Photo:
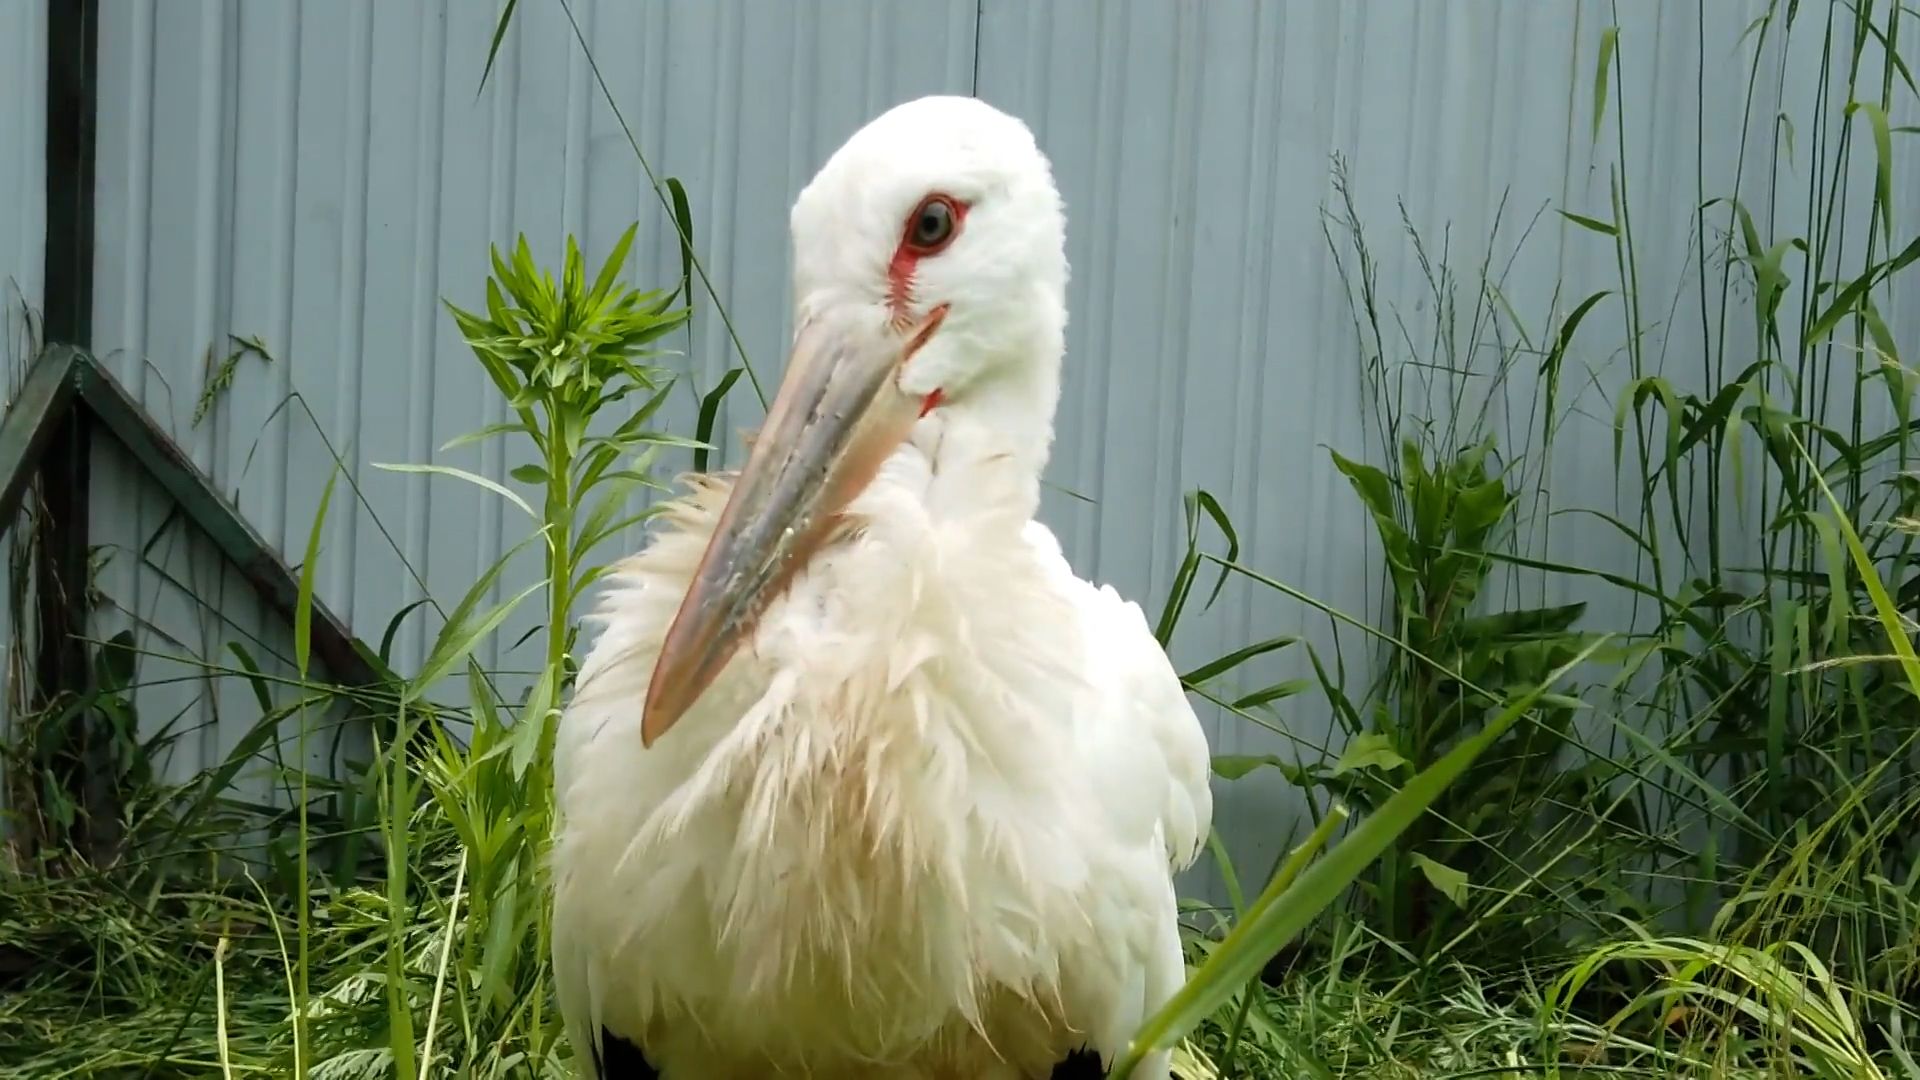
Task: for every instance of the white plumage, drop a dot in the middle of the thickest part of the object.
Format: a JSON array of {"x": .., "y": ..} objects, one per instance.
[{"x": 924, "y": 821}]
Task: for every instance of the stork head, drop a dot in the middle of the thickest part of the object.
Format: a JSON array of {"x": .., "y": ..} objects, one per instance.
[{"x": 929, "y": 275}]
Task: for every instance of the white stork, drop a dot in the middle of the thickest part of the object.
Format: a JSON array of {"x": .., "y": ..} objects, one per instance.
[{"x": 906, "y": 797}]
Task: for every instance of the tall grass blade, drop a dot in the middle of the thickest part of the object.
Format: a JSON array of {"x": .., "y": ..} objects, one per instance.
[
  {"x": 303, "y": 603},
  {"x": 493, "y": 47},
  {"x": 461, "y": 474},
  {"x": 1602, "y": 76}
]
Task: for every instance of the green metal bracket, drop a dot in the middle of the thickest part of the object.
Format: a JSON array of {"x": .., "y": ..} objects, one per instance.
[
  {"x": 65, "y": 378},
  {"x": 28, "y": 425}
]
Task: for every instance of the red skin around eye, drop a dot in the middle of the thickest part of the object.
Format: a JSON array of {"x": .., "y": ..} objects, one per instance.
[{"x": 906, "y": 262}]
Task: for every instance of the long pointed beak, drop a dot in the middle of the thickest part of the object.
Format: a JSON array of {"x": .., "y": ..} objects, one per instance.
[{"x": 839, "y": 413}]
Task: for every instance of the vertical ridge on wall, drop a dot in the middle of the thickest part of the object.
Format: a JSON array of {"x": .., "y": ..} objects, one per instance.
[
  {"x": 350, "y": 339},
  {"x": 23, "y": 259},
  {"x": 423, "y": 309},
  {"x": 1174, "y": 296},
  {"x": 23, "y": 162},
  {"x": 1253, "y": 277}
]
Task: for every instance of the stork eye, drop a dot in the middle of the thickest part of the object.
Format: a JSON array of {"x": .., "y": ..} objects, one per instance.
[{"x": 933, "y": 225}]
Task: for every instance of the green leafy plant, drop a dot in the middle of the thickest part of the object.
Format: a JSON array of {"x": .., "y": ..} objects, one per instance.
[
  {"x": 1452, "y": 665},
  {"x": 1743, "y": 767},
  {"x": 73, "y": 794},
  {"x": 560, "y": 353},
  {"x": 1303, "y": 888},
  {"x": 563, "y": 353}
]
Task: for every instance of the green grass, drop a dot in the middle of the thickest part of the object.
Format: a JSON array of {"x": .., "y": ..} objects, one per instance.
[{"x": 1655, "y": 818}]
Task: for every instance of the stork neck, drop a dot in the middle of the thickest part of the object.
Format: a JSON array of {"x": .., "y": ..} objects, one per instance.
[
  {"x": 1019, "y": 404},
  {"x": 992, "y": 443}
]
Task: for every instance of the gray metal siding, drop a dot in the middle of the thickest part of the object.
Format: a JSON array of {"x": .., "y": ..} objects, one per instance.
[
  {"x": 23, "y": 232},
  {"x": 23, "y": 136},
  {"x": 320, "y": 174},
  {"x": 1212, "y": 344},
  {"x": 198, "y": 625}
]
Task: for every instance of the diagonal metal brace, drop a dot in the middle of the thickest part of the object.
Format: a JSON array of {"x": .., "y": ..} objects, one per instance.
[
  {"x": 64, "y": 378},
  {"x": 27, "y": 427}
]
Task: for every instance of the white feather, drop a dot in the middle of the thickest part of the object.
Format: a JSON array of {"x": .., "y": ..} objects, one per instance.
[{"x": 924, "y": 825}]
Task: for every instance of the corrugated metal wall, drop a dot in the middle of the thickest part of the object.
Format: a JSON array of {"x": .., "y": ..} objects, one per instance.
[
  {"x": 320, "y": 174},
  {"x": 23, "y": 133},
  {"x": 23, "y": 234}
]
